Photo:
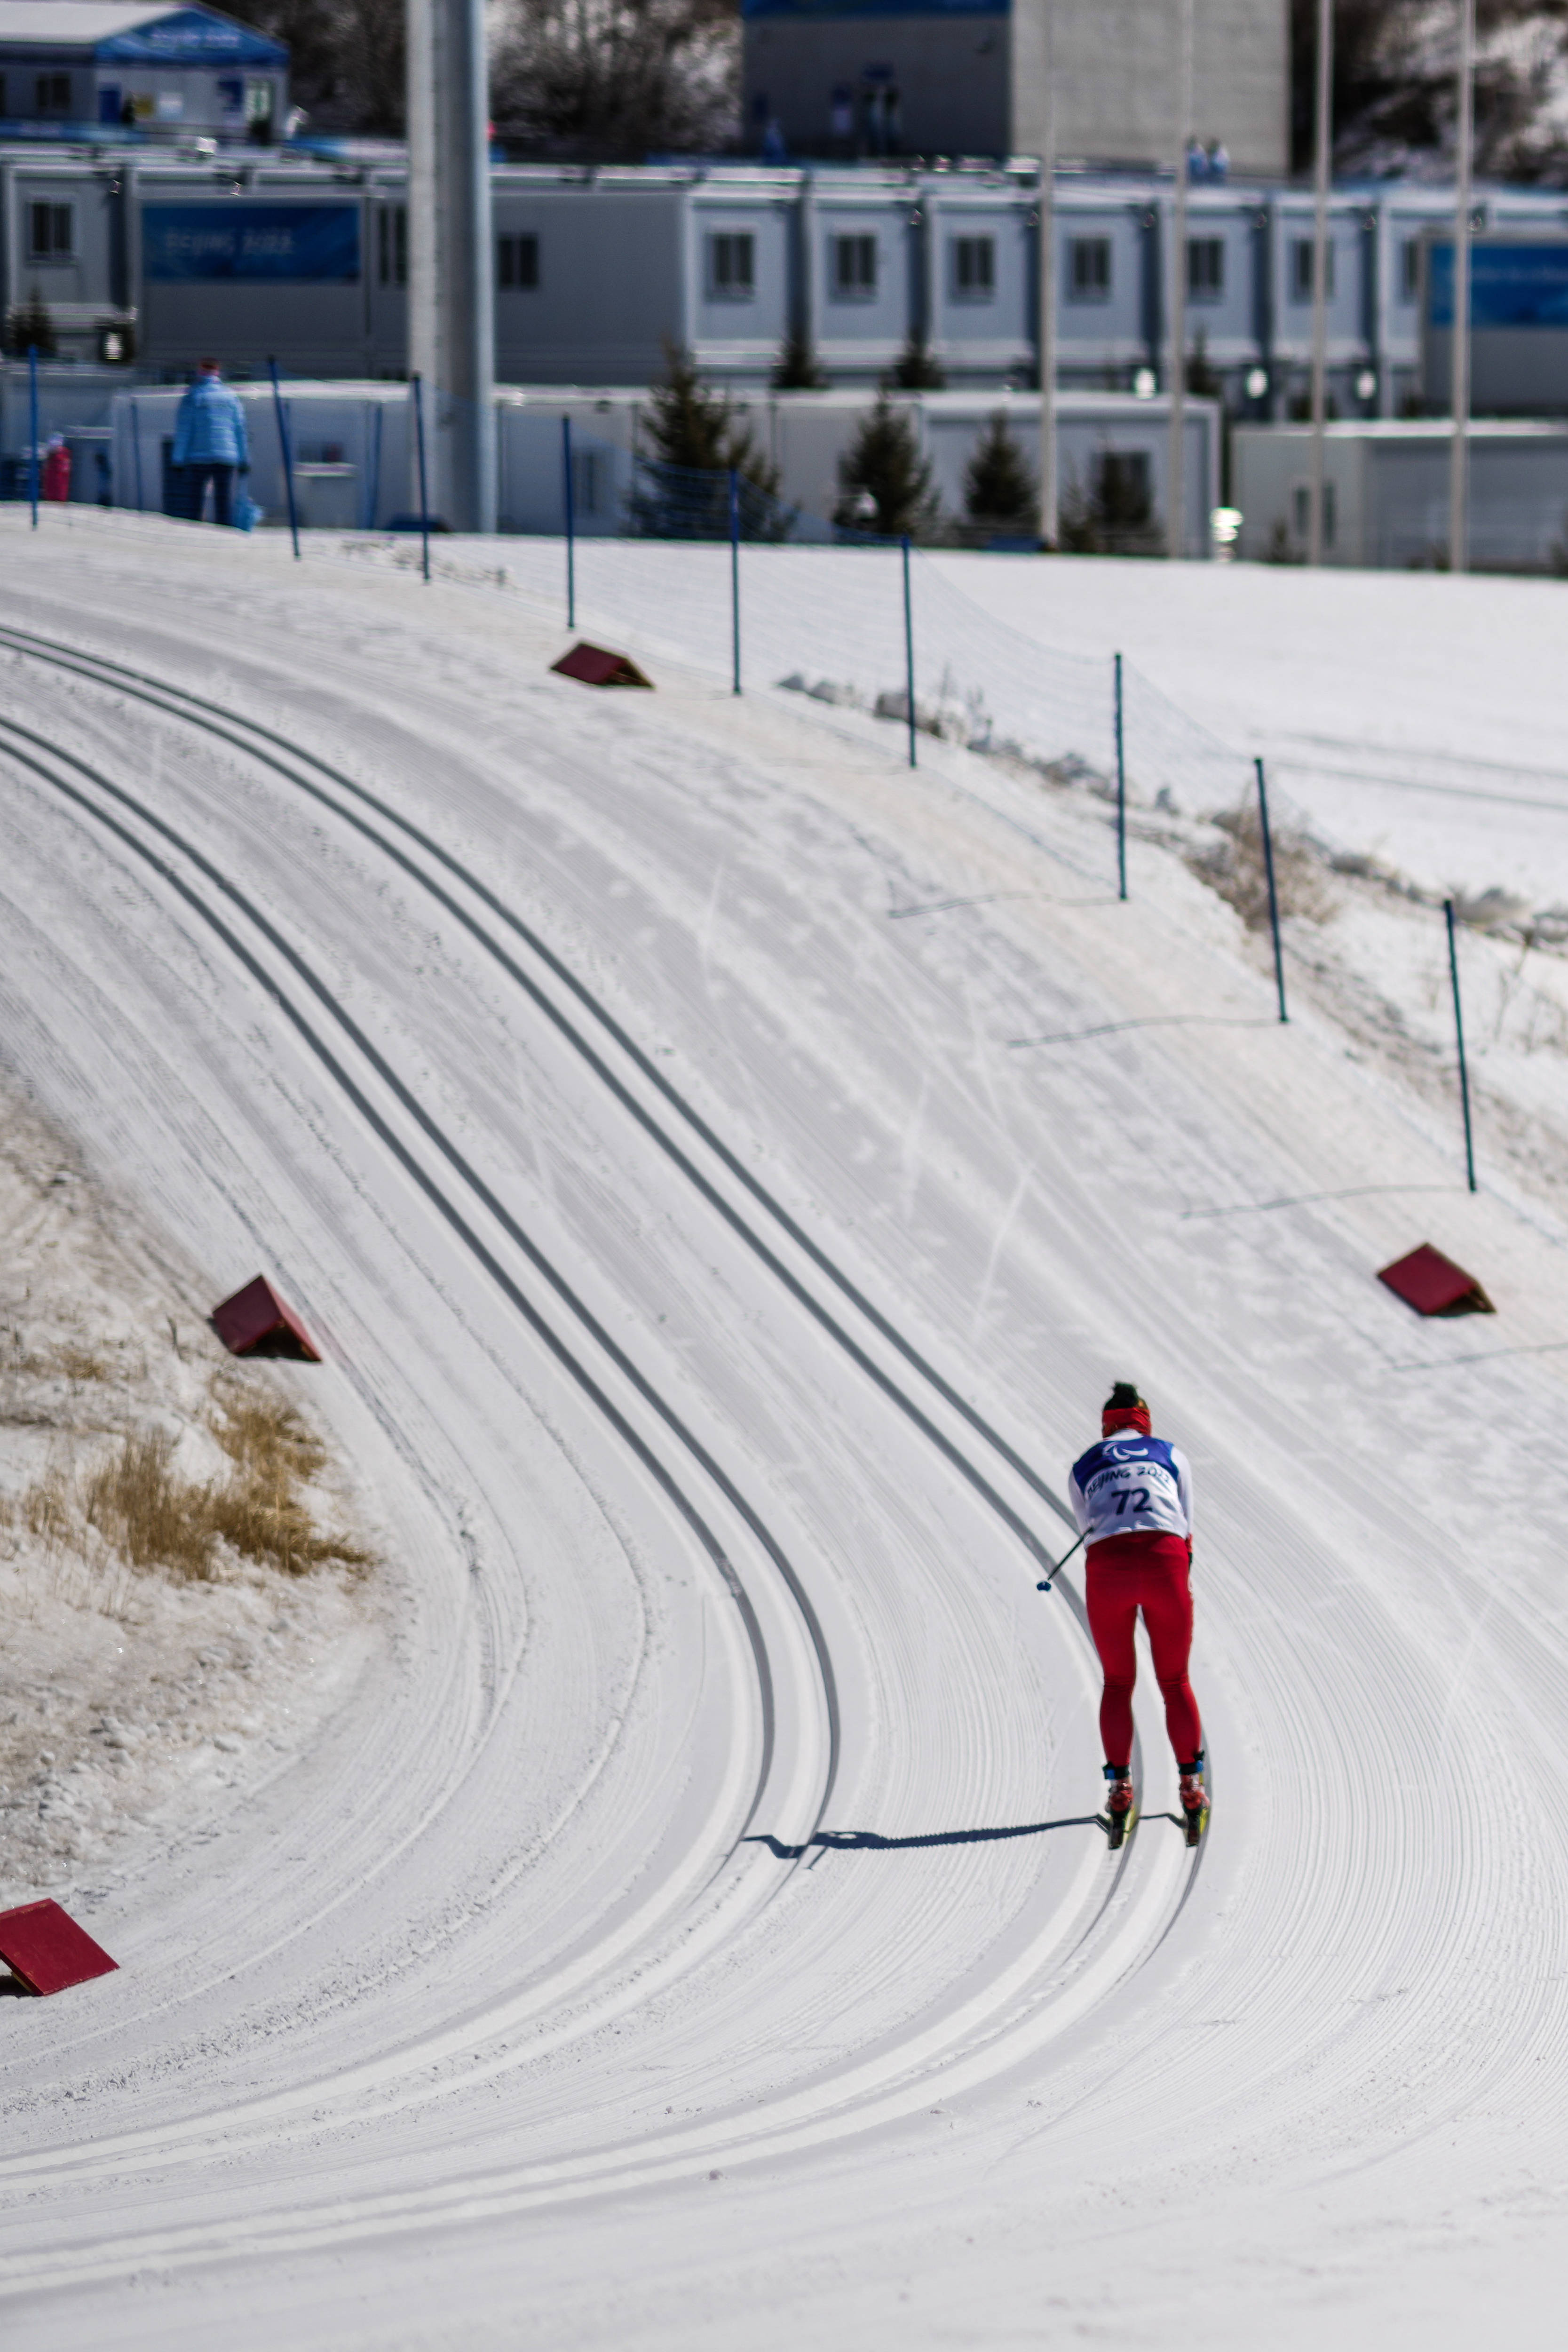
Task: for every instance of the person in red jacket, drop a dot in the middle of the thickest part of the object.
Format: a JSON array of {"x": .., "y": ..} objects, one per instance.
[
  {"x": 1132, "y": 1498},
  {"x": 56, "y": 480}
]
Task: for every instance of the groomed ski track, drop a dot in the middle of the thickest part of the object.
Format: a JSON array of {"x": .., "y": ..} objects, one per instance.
[{"x": 696, "y": 1931}]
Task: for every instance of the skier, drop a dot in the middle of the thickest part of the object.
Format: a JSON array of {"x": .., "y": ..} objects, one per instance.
[{"x": 1132, "y": 1498}]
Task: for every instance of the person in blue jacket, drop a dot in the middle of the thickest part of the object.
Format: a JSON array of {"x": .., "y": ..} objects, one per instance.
[{"x": 209, "y": 443}]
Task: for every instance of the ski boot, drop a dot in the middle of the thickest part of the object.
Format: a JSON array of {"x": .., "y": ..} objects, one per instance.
[
  {"x": 1121, "y": 1813},
  {"x": 1194, "y": 1799}
]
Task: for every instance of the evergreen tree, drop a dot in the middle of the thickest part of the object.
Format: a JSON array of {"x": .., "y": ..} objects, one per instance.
[
  {"x": 884, "y": 484},
  {"x": 998, "y": 488},
  {"x": 697, "y": 438},
  {"x": 691, "y": 424},
  {"x": 29, "y": 326},
  {"x": 797, "y": 367},
  {"x": 916, "y": 369}
]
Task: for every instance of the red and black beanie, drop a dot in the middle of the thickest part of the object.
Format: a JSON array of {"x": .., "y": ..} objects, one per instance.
[{"x": 1124, "y": 1408}]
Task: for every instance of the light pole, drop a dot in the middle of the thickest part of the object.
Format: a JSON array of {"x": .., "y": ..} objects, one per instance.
[
  {"x": 1175, "y": 468},
  {"x": 451, "y": 254},
  {"x": 1321, "y": 276},
  {"x": 1459, "y": 337},
  {"x": 1050, "y": 481}
]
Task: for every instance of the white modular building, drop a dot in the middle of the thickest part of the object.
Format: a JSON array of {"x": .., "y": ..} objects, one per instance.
[
  {"x": 73, "y": 68},
  {"x": 256, "y": 254},
  {"x": 354, "y": 451},
  {"x": 1386, "y": 493}
]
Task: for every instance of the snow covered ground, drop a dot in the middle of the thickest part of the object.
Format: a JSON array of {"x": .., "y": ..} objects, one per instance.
[
  {"x": 1409, "y": 717},
  {"x": 729, "y": 1167},
  {"x": 132, "y": 1704}
]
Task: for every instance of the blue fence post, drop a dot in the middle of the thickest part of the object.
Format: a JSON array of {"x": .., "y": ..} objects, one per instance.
[
  {"x": 1121, "y": 790},
  {"x": 1273, "y": 894},
  {"x": 287, "y": 453},
  {"x": 1459, "y": 1034},
  {"x": 136, "y": 453},
  {"x": 33, "y": 429},
  {"x": 423, "y": 478},
  {"x": 908, "y": 648},
  {"x": 570, "y": 501},
  {"x": 373, "y": 487},
  {"x": 735, "y": 571}
]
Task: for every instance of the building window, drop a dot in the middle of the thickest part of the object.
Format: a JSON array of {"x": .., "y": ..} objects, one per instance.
[
  {"x": 51, "y": 232},
  {"x": 1205, "y": 268},
  {"x": 855, "y": 268},
  {"x": 1410, "y": 269},
  {"x": 391, "y": 245},
  {"x": 731, "y": 266},
  {"x": 1302, "y": 269},
  {"x": 517, "y": 262},
  {"x": 974, "y": 268},
  {"x": 1089, "y": 269},
  {"x": 54, "y": 93}
]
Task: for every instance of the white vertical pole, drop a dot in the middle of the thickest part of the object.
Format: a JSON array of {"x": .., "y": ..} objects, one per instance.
[
  {"x": 1050, "y": 475},
  {"x": 451, "y": 275},
  {"x": 1321, "y": 276},
  {"x": 1459, "y": 338},
  {"x": 1175, "y": 468}
]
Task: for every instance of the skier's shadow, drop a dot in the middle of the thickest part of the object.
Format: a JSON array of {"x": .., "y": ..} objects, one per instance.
[{"x": 871, "y": 1842}]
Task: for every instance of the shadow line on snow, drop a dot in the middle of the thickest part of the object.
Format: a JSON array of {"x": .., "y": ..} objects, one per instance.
[
  {"x": 872, "y": 1841},
  {"x": 1307, "y": 1200},
  {"x": 1154, "y": 1021}
]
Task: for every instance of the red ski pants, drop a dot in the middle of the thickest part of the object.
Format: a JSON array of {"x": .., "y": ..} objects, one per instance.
[{"x": 1150, "y": 1572}]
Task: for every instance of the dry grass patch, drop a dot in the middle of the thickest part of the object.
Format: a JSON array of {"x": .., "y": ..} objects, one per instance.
[
  {"x": 1234, "y": 865},
  {"x": 146, "y": 1513}
]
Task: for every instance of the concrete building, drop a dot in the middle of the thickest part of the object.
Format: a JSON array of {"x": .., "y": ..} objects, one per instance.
[
  {"x": 1115, "y": 68},
  {"x": 855, "y": 78},
  {"x": 870, "y": 78},
  {"x": 75, "y": 67}
]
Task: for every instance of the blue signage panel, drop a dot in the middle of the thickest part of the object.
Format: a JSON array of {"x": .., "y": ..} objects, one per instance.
[
  {"x": 190, "y": 36},
  {"x": 1510, "y": 284},
  {"x": 309, "y": 242}
]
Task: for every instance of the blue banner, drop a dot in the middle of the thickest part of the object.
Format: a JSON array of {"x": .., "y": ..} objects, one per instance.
[
  {"x": 311, "y": 242},
  {"x": 189, "y": 37},
  {"x": 1510, "y": 284}
]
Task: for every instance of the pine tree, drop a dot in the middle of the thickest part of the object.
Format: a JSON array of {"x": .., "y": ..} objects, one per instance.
[
  {"x": 916, "y": 369},
  {"x": 884, "y": 484},
  {"x": 697, "y": 440},
  {"x": 692, "y": 426},
  {"x": 30, "y": 328},
  {"x": 998, "y": 488},
  {"x": 797, "y": 367}
]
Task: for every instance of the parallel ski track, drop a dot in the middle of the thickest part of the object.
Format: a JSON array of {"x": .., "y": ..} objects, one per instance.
[
  {"x": 453, "y": 1216},
  {"x": 286, "y": 759}
]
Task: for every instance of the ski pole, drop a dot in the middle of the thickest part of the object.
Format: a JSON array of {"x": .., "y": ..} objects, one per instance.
[{"x": 1044, "y": 1584}]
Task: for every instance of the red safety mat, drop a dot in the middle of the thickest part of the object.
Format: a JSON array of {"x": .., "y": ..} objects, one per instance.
[
  {"x": 43, "y": 1946},
  {"x": 596, "y": 667},
  {"x": 257, "y": 1322},
  {"x": 1433, "y": 1284}
]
